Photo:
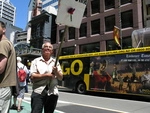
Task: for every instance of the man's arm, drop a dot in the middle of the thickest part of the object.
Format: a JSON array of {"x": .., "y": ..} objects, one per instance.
[
  {"x": 3, "y": 62},
  {"x": 37, "y": 76},
  {"x": 58, "y": 73}
]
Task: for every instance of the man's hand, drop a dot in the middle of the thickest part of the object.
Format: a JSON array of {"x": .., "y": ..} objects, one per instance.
[
  {"x": 58, "y": 74},
  {"x": 49, "y": 75},
  {"x": 55, "y": 71}
]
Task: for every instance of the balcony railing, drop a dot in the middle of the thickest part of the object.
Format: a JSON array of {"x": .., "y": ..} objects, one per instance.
[{"x": 28, "y": 51}]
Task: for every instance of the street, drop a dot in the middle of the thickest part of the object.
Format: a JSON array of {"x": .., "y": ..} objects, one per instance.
[{"x": 76, "y": 103}]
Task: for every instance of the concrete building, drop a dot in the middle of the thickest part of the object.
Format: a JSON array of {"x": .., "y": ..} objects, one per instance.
[
  {"x": 53, "y": 3},
  {"x": 50, "y": 6},
  {"x": 96, "y": 30},
  {"x": 50, "y": 9},
  {"x": 34, "y": 9},
  {"x": 146, "y": 13},
  {"x": 21, "y": 36},
  {"x": 31, "y": 6},
  {"x": 7, "y": 15},
  {"x": 43, "y": 29},
  {"x": 11, "y": 30},
  {"x": 7, "y": 11}
]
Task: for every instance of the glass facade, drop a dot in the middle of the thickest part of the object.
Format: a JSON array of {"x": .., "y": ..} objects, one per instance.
[{"x": 91, "y": 47}]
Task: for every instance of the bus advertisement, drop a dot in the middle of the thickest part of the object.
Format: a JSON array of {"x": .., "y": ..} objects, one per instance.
[{"x": 118, "y": 71}]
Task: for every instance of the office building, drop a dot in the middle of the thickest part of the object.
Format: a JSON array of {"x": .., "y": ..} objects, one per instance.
[
  {"x": 7, "y": 15},
  {"x": 43, "y": 29},
  {"x": 7, "y": 11},
  {"x": 50, "y": 6},
  {"x": 33, "y": 8},
  {"x": 11, "y": 30},
  {"x": 53, "y": 3},
  {"x": 96, "y": 30}
]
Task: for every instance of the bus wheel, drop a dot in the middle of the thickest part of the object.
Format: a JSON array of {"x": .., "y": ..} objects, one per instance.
[{"x": 81, "y": 88}]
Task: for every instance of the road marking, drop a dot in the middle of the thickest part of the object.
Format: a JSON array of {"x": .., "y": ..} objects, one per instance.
[
  {"x": 66, "y": 102},
  {"x": 59, "y": 111},
  {"x": 26, "y": 99}
]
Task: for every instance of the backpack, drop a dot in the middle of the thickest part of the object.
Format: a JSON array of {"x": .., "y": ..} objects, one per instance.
[{"x": 22, "y": 74}]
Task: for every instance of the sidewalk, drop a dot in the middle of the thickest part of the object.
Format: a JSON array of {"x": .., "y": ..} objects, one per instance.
[{"x": 26, "y": 108}]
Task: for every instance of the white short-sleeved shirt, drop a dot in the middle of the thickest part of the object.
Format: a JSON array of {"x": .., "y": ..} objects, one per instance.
[{"x": 38, "y": 65}]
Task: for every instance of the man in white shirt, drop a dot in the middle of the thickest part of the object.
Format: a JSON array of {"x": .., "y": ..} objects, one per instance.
[{"x": 44, "y": 76}]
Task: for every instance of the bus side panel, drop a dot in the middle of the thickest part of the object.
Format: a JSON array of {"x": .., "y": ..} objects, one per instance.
[
  {"x": 74, "y": 70},
  {"x": 121, "y": 73}
]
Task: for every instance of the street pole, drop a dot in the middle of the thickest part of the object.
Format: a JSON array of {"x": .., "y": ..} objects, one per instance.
[
  {"x": 120, "y": 22},
  {"x": 59, "y": 49}
]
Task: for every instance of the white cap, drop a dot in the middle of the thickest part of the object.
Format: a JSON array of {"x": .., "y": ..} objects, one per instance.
[{"x": 19, "y": 59}]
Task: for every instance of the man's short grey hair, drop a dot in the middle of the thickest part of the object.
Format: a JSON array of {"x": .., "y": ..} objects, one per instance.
[{"x": 45, "y": 43}]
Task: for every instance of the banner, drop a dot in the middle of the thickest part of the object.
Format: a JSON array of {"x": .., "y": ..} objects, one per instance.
[
  {"x": 116, "y": 35},
  {"x": 70, "y": 12}
]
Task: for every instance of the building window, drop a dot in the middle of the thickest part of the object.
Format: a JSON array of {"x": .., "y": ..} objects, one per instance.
[
  {"x": 71, "y": 33},
  {"x": 125, "y": 1},
  {"x": 68, "y": 51},
  {"x": 61, "y": 32},
  {"x": 83, "y": 30},
  {"x": 52, "y": 29},
  {"x": 109, "y": 4},
  {"x": 126, "y": 44},
  {"x": 127, "y": 19},
  {"x": 111, "y": 45},
  {"x": 109, "y": 23},
  {"x": 148, "y": 9},
  {"x": 95, "y": 6},
  {"x": 88, "y": 48},
  {"x": 33, "y": 33},
  {"x": 38, "y": 30},
  {"x": 95, "y": 26}
]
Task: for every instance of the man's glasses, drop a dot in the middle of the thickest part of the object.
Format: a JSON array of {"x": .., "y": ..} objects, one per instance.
[{"x": 46, "y": 47}]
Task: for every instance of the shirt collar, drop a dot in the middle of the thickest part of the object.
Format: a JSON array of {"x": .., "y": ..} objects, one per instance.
[{"x": 47, "y": 62}]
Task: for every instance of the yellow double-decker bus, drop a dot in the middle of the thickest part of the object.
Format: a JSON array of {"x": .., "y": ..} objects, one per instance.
[{"x": 124, "y": 71}]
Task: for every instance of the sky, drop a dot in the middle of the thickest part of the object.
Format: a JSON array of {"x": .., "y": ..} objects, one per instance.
[{"x": 21, "y": 12}]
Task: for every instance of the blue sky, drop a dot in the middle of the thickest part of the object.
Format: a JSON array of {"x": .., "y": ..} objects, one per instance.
[{"x": 21, "y": 12}]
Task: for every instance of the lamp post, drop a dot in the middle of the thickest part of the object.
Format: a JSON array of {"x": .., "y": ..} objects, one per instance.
[{"x": 120, "y": 22}]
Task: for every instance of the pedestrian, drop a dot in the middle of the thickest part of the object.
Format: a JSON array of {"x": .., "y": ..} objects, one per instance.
[
  {"x": 28, "y": 76},
  {"x": 27, "y": 82},
  {"x": 44, "y": 76},
  {"x": 8, "y": 77},
  {"x": 21, "y": 68}
]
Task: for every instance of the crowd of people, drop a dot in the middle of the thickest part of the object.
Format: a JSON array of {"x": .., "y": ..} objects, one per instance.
[{"x": 43, "y": 72}]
